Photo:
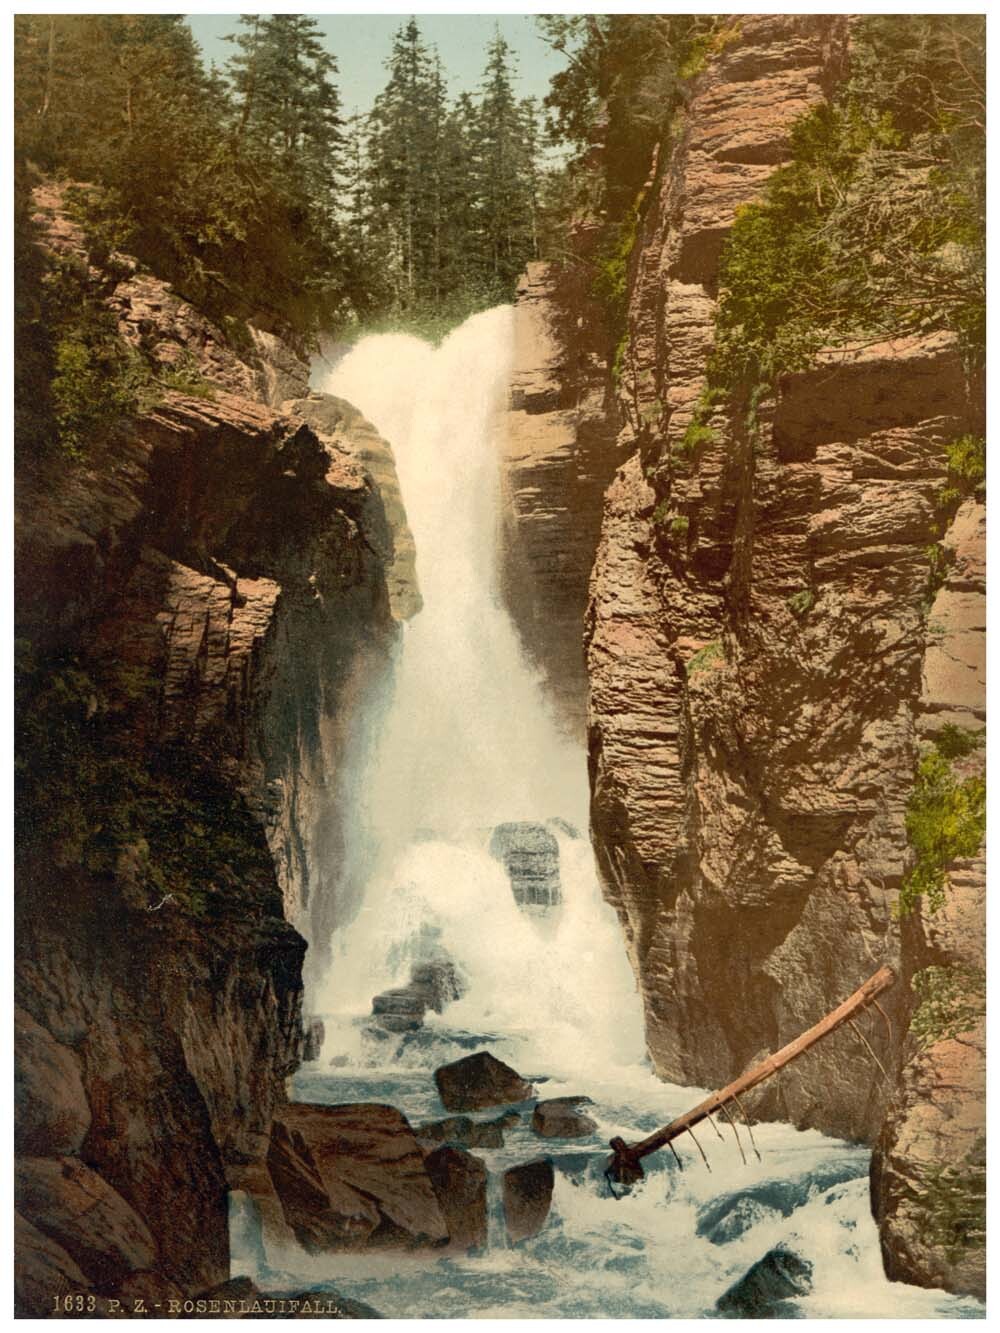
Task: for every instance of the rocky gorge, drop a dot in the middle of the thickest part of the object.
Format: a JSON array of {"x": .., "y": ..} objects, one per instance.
[
  {"x": 229, "y": 578},
  {"x": 769, "y": 649},
  {"x": 768, "y": 627}
]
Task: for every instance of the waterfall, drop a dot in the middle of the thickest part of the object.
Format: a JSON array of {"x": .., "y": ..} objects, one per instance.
[{"x": 469, "y": 741}]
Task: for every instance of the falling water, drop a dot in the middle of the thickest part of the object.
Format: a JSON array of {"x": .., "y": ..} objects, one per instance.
[{"x": 469, "y": 743}]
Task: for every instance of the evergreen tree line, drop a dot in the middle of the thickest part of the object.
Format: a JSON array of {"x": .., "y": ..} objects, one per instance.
[
  {"x": 443, "y": 194},
  {"x": 247, "y": 189}
]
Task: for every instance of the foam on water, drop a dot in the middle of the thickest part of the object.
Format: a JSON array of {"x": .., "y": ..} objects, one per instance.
[{"x": 468, "y": 743}]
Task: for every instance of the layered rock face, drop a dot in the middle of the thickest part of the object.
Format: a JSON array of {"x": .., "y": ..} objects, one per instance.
[
  {"x": 198, "y": 605},
  {"x": 764, "y": 660},
  {"x": 558, "y": 456},
  {"x": 929, "y": 1164},
  {"x": 757, "y": 631}
]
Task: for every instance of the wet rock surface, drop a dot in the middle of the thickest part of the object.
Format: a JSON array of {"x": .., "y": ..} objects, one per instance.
[
  {"x": 459, "y": 1182},
  {"x": 780, "y": 1275},
  {"x": 561, "y": 1118},
  {"x": 353, "y": 1175},
  {"x": 527, "y": 1198},
  {"x": 432, "y": 985},
  {"x": 466, "y": 1132},
  {"x": 401, "y": 1009},
  {"x": 479, "y": 1081},
  {"x": 728, "y": 1217},
  {"x": 530, "y": 855}
]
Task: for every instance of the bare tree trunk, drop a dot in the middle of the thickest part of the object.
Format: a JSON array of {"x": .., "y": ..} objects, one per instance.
[
  {"x": 50, "y": 67},
  {"x": 625, "y": 1167}
]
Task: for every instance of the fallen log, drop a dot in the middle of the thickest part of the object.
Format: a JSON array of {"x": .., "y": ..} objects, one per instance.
[{"x": 625, "y": 1166}]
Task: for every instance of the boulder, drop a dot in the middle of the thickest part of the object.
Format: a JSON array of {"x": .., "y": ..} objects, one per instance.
[
  {"x": 729, "y": 1216},
  {"x": 322, "y": 1216},
  {"x": 527, "y": 1197},
  {"x": 312, "y": 1043},
  {"x": 438, "y": 982},
  {"x": 75, "y": 1207},
  {"x": 479, "y": 1080},
  {"x": 558, "y": 1118},
  {"x": 465, "y": 1132},
  {"x": 759, "y": 1294},
  {"x": 352, "y": 1176},
  {"x": 459, "y": 1182},
  {"x": 400, "y": 1009},
  {"x": 43, "y": 1272},
  {"x": 530, "y": 855},
  {"x": 52, "y": 1114}
]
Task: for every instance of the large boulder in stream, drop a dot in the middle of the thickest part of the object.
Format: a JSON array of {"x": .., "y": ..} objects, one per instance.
[
  {"x": 459, "y": 1181},
  {"x": 530, "y": 855},
  {"x": 478, "y": 1081},
  {"x": 527, "y": 1197},
  {"x": 761, "y": 1292},
  {"x": 353, "y": 1176},
  {"x": 558, "y": 1118}
]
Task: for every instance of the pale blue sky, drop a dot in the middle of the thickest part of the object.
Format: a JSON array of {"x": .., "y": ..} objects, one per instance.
[{"x": 361, "y": 43}]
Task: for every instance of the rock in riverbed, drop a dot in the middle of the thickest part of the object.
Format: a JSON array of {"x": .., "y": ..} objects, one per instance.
[
  {"x": 459, "y": 1181},
  {"x": 465, "y": 1132},
  {"x": 353, "y": 1176},
  {"x": 558, "y": 1118},
  {"x": 759, "y": 1294},
  {"x": 478, "y": 1081},
  {"x": 530, "y": 855},
  {"x": 399, "y": 1010},
  {"x": 432, "y": 985},
  {"x": 527, "y": 1197},
  {"x": 438, "y": 982}
]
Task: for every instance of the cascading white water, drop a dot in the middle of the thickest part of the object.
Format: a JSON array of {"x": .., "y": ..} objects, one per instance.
[{"x": 468, "y": 743}]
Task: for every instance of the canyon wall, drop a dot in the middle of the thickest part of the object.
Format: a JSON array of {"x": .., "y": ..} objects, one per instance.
[
  {"x": 770, "y": 648},
  {"x": 199, "y": 605},
  {"x": 559, "y": 453}
]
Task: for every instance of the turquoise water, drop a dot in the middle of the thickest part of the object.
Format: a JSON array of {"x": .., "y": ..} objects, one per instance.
[{"x": 668, "y": 1250}]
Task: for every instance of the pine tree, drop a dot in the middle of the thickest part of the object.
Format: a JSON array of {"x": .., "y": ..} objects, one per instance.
[
  {"x": 288, "y": 102},
  {"x": 506, "y": 171}
]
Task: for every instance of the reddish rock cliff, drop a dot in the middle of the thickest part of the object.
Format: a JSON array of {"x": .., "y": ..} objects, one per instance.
[
  {"x": 559, "y": 454},
  {"x": 197, "y": 606},
  {"x": 765, "y": 661}
]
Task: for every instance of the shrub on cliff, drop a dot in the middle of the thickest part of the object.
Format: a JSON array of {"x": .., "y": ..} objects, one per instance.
[
  {"x": 945, "y": 820},
  {"x": 877, "y": 226}
]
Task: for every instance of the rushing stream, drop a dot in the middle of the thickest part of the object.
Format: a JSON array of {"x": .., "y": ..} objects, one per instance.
[{"x": 469, "y": 744}]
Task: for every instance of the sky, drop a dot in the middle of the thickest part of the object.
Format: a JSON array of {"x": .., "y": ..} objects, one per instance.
[{"x": 361, "y": 43}]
